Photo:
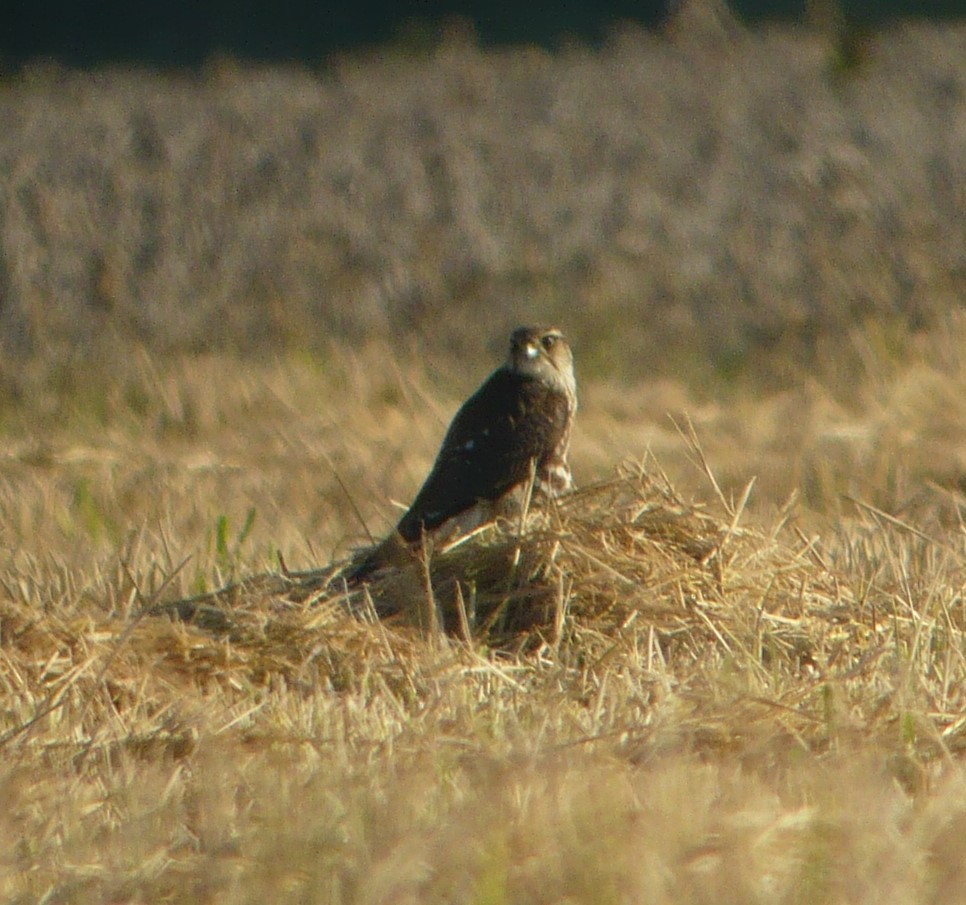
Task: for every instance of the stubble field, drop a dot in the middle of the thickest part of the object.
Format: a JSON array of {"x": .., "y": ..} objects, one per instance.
[{"x": 238, "y": 310}]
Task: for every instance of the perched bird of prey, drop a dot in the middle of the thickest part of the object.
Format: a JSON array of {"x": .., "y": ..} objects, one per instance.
[{"x": 517, "y": 424}]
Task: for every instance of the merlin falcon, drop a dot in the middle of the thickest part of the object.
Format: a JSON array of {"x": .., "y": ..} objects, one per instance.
[{"x": 515, "y": 427}]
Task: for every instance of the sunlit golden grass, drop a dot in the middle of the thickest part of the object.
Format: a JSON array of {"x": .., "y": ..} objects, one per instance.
[
  {"x": 677, "y": 685},
  {"x": 237, "y": 311}
]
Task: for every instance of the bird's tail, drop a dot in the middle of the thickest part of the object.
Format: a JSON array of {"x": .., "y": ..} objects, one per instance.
[
  {"x": 362, "y": 571},
  {"x": 393, "y": 551}
]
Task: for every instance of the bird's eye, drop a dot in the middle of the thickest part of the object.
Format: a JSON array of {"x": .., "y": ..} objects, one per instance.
[{"x": 548, "y": 342}]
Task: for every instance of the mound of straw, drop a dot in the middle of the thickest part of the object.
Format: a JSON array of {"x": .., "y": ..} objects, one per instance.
[{"x": 626, "y": 552}]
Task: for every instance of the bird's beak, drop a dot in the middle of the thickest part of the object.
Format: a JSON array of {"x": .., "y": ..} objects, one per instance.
[{"x": 532, "y": 351}]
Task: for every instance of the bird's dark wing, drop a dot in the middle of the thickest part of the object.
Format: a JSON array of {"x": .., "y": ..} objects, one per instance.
[{"x": 501, "y": 429}]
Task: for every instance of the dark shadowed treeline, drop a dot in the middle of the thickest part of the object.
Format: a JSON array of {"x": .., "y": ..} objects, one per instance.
[{"x": 184, "y": 33}]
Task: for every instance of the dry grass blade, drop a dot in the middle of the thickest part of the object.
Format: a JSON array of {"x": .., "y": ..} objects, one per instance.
[{"x": 690, "y": 437}]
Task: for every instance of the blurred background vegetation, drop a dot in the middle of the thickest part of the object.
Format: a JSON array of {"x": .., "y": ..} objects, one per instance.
[{"x": 693, "y": 194}]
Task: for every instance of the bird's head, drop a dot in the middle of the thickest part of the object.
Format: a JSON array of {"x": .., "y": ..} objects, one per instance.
[{"x": 543, "y": 353}]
